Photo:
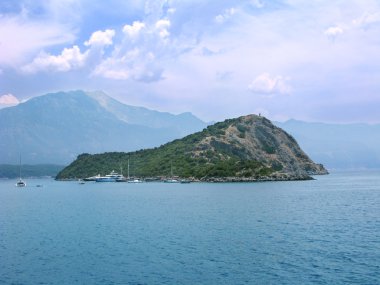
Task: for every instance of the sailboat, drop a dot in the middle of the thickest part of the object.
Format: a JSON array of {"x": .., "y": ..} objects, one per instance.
[
  {"x": 134, "y": 180},
  {"x": 171, "y": 179},
  {"x": 20, "y": 182}
]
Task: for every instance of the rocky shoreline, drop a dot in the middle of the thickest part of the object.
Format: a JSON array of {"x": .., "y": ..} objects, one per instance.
[{"x": 274, "y": 177}]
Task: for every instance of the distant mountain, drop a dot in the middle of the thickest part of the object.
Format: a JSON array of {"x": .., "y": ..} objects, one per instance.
[
  {"x": 56, "y": 127},
  {"x": 182, "y": 124},
  {"x": 338, "y": 146},
  {"x": 39, "y": 170},
  {"x": 246, "y": 148}
]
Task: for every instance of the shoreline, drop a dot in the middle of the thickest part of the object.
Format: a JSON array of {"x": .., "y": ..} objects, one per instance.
[{"x": 234, "y": 179}]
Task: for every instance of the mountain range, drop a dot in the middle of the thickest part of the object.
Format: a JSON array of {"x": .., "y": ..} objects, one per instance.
[{"x": 55, "y": 128}]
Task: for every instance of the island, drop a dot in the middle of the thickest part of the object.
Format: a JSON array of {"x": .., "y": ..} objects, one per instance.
[{"x": 248, "y": 148}]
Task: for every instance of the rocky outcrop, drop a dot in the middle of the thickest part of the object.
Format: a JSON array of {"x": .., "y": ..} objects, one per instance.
[{"x": 256, "y": 138}]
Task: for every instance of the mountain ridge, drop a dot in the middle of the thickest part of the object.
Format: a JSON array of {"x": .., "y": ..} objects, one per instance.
[
  {"x": 184, "y": 123},
  {"x": 56, "y": 127}
]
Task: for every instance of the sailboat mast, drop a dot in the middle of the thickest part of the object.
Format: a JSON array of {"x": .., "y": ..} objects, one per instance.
[
  {"x": 19, "y": 168},
  {"x": 128, "y": 169}
]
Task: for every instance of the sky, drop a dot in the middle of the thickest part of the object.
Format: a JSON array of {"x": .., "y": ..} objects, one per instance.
[{"x": 286, "y": 59}]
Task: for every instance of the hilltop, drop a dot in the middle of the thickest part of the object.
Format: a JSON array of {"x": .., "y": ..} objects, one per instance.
[{"x": 246, "y": 148}]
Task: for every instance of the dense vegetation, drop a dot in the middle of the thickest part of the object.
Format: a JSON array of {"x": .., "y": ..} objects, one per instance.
[
  {"x": 184, "y": 157},
  {"x": 12, "y": 171}
]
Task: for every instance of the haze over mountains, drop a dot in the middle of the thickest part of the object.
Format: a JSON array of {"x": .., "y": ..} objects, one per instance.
[
  {"x": 338, "y": 146},
  {"x": 56, "y": 127}
]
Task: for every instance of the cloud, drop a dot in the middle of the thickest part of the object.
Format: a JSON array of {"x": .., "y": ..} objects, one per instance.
[
  {"x": 135, "y": 64},
  {"x": 333, "y": 32},
  {"x": 134, "y": 30},
  {"x": 224, "y": 76},
  {"x": 69, "y": 59},
  {"x": 208, "y": 52},
  {"x": 20, "y": 37},
  {"x": 257, "y": 3},
  {"x": 8, "y": 100},
  {"x": 101, "y": 38},
  {"x": 228, "y": 13},
  {"x": 162, "y": 27},
  {"x": 266, "y": 84},
  {"x": 367, "y": 19},
  {"x": 72, "y": 58},
  {"x": 141, "y": 54}
]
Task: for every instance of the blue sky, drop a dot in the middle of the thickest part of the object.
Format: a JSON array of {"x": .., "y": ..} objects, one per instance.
[{"x": 308, "y": 60}]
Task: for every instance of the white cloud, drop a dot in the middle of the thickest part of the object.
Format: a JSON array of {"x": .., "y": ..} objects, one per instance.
[
  {"x": 333, "y": 31},
  {"x": 134, "y": 30},
  {"x": 135, "y": 64},
  {"x": 367, "y": 19},
  {"x": 162, "y": 27},
  {"x": 141, "y": 54},
  {"x": 171, "y": 10},
  {"x": 109, "y": 70},
  {"x": 228, "y": 13},
  {"x": 8, "y": 100},
  {"x": 70, "y": 58},
  {"x": 20, "y": 37},
  {"x": 266, "y": 84},
  {"x": 257, "y": 3},
  {"x": 101, "y": 38}
]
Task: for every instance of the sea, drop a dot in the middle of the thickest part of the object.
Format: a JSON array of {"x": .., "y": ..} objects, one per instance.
[{"x": 323, "y": 231}]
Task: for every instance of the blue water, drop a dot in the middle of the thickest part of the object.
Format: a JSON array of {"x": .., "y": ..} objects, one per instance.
[{"x": 325, "y": 231}]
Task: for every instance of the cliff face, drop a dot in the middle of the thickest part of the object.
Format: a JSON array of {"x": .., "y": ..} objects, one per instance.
[
  {"x": 256, "y": 138},
  {"x": 247, "y": 148}
]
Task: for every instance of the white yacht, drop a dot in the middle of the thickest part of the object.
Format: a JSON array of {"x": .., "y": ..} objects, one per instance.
[{"x": 112, "y": 177}]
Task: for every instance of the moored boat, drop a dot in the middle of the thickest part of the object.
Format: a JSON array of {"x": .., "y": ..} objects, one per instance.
[
  {"x": 92, "y": 178},
  {"x": 171, "y": 180},
  {"x": 112, "y": 177},
  {"x": 135, "y": 180},
  {"x": 20, "y": 182}
]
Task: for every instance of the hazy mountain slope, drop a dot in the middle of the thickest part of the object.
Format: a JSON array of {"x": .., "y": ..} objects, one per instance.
[
  {"x": 249, "y": 147},
  {"x": 39, "y": 170},
  {"x": 338, "y": 146},
  {"x": 180, "y": 125},
  {"x": 55, "y": 128}
]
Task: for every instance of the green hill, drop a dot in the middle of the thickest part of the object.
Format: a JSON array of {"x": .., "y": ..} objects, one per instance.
[{"x": 245, "y": 148}]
